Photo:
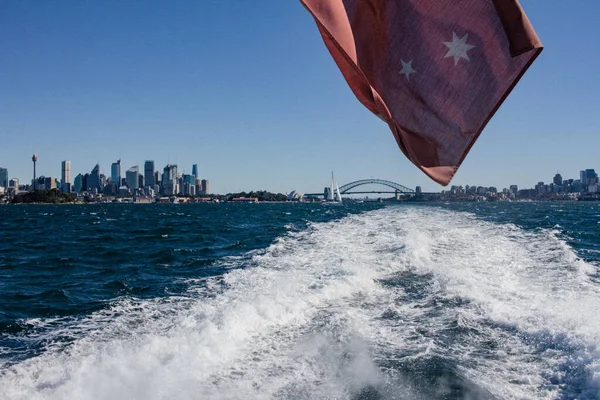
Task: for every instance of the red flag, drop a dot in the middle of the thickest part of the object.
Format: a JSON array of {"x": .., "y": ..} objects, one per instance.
[{"x": 435, "y": 70}]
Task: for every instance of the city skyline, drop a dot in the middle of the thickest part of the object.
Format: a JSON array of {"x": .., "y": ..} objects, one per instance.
[
  {"x": 249, "y": 93},
  {"x": 583, "y": 176}
]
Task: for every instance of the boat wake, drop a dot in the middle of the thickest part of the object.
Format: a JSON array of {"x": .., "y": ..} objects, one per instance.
[{"x": 398, "y": 303}]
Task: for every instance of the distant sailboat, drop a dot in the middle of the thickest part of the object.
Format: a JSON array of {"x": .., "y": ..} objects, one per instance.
[
  {"x": 333, "y": 196},
  {"x": 338, "y": 195},
  {"x": 330, "y": 194}
]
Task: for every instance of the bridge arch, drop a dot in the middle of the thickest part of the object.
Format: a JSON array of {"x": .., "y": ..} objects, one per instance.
[{"x": 396, "y": 186}]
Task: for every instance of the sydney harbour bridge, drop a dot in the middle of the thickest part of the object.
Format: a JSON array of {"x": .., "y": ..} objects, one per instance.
[{"x": 400, "y": 191}]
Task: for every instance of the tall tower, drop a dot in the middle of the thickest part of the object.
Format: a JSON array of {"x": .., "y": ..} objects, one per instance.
[
  {"x": 34, "y": 159},
  {"x": 65, "y": 179},
  {"x": 195, "y": 171},
  {"x": 94, "y": 179},
  {"x": 132, "y": 178},
  {"x": 149, "y": 173},
  {"x": 115, "y": 173},
  {"x": 4, "y": 178}
]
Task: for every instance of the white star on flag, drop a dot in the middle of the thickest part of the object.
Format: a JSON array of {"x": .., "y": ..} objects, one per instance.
[
  {"x": 407, "y": 69},
  {"x": 458, "y": 48}
]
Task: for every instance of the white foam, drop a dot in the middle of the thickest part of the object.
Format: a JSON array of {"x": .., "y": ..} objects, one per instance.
[{"x": 305, "y": 319}]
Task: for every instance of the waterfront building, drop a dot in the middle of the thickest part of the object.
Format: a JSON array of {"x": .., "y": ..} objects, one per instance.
[
  {"x": 205, "y": 188},
  {"x": 140, "y": 181},
  {"x": 157, "y": 177},
  {"x": 65, "y": 177},
  {"x": 3, "y": 177},
  {"x": 149, "y": 173},
  {"x": 14, "y": 183},
  {"x": 132, "y": 177},
  {"x": 418, "y": 190},
  {"x": 93, "y": 181},
  {"x": 115, "y": 173},
  {"x": 514, "y": 189},
  {"x": 195, "y": 170}
]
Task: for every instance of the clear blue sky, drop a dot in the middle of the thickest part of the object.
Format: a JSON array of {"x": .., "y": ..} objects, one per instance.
[{"x": 247, "y": 90}]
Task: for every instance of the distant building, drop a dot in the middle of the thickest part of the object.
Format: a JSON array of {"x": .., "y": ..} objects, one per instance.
[
  {"x": 14, "y": 183},
  {"x": 589, "y": 177},
  {"x": 50, "y": 183},
  {"x": 94, "y": 179},
  {"x": 558, "y": 180},
  {"x": 141, "y": 180},
  {"x": 188, "y": 186},
  {"x": 4, "y": 177},
  {"x": 85, "y": 182},
  {"x": 132, "y": 177},
  {"x": 149, "y": 173},
  {"x": 195, "y": 171},
  {"x": 205, "y": 187},
  {"x": 78, "y": 183},
  {"x": 157, "y": 178},
  {"x": 111, "y": 188},
  {"x": 295, "y": 196},
  {"x": 514, "y": 189},
  {"x": 115, "y": 173},
  {"x": 540, "y": 188},
  {"x": 418, "y": 190},
  {"x": 65, "y": 178},
  {"x": 170, "y": 183}
]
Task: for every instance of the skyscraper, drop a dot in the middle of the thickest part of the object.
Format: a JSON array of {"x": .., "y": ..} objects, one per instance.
[
  {"x": 205, "y": 189},
  {"x": 169, "y": 180},
  {"x": 188, "y": 185},
  {"x": 50, "y": 183},
  {"x": 65, "y": 179},
  {"x": 94, "y": 179},
  {"x": 149, "y": 173},
  {"x": 78, "y": 183},
  {"x": 115, "y": 173},
  {"x": 3, "y": 177},
  {"x": 132, "y": 177},
  {"x": 195, "y": 171},
  {"x": 558, "y": 179}
]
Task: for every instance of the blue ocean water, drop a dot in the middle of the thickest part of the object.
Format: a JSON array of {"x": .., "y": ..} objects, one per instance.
[{"x": 300, "y": 301}]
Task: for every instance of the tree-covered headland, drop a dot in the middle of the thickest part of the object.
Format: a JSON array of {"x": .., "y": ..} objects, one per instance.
[{"x": 53, "y": 196}]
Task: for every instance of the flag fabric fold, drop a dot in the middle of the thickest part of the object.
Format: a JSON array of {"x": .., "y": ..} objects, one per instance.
[{"x": 435, "y": 71}]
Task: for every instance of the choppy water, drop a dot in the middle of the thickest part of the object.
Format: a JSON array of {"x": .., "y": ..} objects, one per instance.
[{"x": 300, "y": 301}]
